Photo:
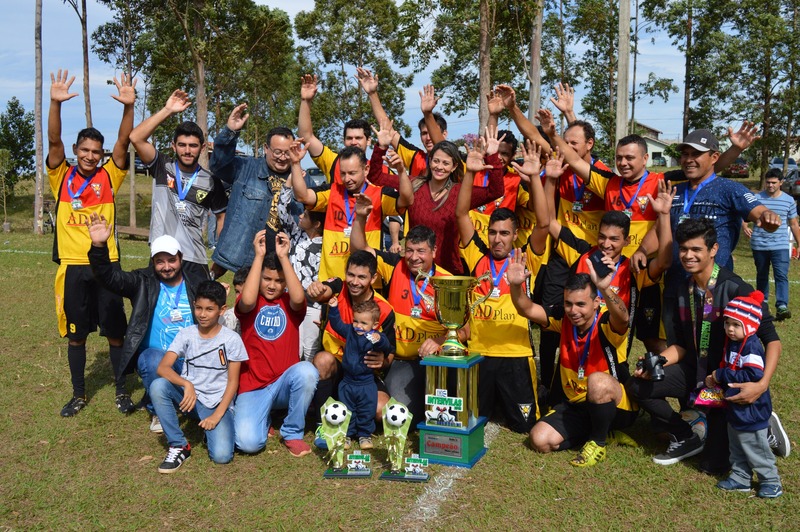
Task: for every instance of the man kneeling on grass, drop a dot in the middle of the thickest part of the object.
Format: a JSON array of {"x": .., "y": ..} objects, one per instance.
[{"x": 207, "y": 384}]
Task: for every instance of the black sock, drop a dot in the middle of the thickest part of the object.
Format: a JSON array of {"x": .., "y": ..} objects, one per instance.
[
  {"x": 76, "y": 356},
  {"x": 115, "y": 353},
  {"x": 602, "y": 417},
  {"x": 324, "y": 390}
]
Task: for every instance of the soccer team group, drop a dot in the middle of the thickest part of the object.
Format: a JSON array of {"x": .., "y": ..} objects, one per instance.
[{"x": 328, "y": 302}]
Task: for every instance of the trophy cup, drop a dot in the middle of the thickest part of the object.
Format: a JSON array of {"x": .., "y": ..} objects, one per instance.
[
  {"x": 452, "y": 431},
  {"x": 396, "y": 422},
  {"x": 335, "y": 420},
  {"x": 452, "y": 305}
]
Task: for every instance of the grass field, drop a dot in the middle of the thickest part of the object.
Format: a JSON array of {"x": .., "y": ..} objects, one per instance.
[{"x": 98, "y": 470}]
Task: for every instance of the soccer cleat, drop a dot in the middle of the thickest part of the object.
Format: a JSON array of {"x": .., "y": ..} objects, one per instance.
[
  {"x": 770, "y": 491},
  {"x": 319, "y": 441},
  {"x": 155, "y": 425},
  {"x": 620, "y": 438},
  {"x": 730, "y": 484},
  {"x": 783, "y": 314},
  {"x": 176, "y": 456},
  {"x": 74, "y": 406},
  {"x": 365, "y": 443},
  {"x": 590, "y": 455},
  {"x": 297, "y": 448},
  {"x": 679, "y": 450},
  {"x": 125, "y": 404},
  {"x": 777, "y": 437}
]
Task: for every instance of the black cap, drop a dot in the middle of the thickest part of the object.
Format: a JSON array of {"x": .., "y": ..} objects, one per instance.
[{"x": 701, "y": 140}]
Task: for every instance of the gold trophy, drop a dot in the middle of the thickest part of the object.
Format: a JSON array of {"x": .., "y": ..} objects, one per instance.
[{"x": 452, "y": 305}]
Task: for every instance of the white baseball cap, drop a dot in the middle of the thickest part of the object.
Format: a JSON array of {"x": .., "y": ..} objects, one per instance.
[{"x": 164, "y": 244}]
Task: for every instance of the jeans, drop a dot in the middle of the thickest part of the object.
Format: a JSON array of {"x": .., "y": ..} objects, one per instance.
[
  {"x": 147, "y": 367},
  {"x": 167, "y": 396},
  {"x": 780, "y": 269},
  {"x": 293, "y": 390}
]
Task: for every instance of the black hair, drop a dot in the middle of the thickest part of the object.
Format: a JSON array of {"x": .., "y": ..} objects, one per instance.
[
  {"x": 271, "y": 262},
  {"x": 696, "y": 227},
  {"x": 774, "y": 172},
  {"x": 633, "y": 139},
  {"x": 189, "y": 129},
  {"x": 509, "y": 139},
  {"x": 421, "y": 233},
  {"x": 617, "y": 219},
  {"x": 368, "y": 306},
  {"x": 213, "y": 291},
  {"x": 241, "y": 275},
  {"x": 439, "y": 120},
  {"x": 588, "y": 129},
  {"x": 363, "y": 258},
  {"x": 91, "y": 134},
  {"x": 357, "y": 123},
  {"x": 281, "y": 131},
  {"x": 579, "y": 281},
  {"x": 316, "y": 217},
  {"x": 502, "y": 214},
  {"x": 353, "y": 151}
]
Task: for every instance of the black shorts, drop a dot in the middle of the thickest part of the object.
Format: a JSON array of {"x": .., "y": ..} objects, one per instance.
[
  {"x": 554, "y": 280},
  {"x": 339, "y": 375},
  {"x": 573, "y": 422},
  {"x": 195, "y": 273},
  {"x": 509, "y": 383},
  {"x": 648, "y": 313},
  {"x": 87, "y": 305}
]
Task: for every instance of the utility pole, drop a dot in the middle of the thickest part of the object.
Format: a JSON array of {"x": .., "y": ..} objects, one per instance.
[
  {"x": 535, "y": 98},
  {"x": 623, "y": 66}
]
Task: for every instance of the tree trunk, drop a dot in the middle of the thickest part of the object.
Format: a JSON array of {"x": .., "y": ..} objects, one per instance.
[
  {"x": 767, "y": 124},
  {"x": 484, "y": 62},
  {"x": 535, "y": 75},
  {"x": 38, "y": 194},
  {"x": 632, "y": 128},
  {"x": 85, "y": 36},
  {"x": 623, "y": 66},
  {"x": 792, "y": 96},
  {"x": 202, "y": 103},
  {"x": 687, "y": 70}
]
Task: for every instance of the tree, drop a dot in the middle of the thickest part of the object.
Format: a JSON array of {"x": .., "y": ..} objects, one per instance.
[
  {"x": 80, "y": 9},
  {"x": 17, "y": 136},
  {"x": 38, "y": 195},
  {"x": 343, "y": 35}
]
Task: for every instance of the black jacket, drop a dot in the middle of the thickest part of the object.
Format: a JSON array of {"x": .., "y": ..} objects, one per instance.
[{"x": 142, "y": 287}]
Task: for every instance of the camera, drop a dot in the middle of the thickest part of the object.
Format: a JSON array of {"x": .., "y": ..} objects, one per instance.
[{"x": 653, "y": 364}]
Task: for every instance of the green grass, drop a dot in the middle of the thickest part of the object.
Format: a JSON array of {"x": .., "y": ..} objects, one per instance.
[{"x": 98, "y": 470}]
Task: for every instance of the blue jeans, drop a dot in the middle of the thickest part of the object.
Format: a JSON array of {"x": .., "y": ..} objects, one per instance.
[
  {"x": 147, "y": 367},
  {"x": 167, "y": 396},
  {"x": 293, "y": 390},
  {"x": 780, "y": 269}
]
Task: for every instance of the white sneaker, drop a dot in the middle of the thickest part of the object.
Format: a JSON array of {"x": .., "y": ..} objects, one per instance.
[{"x": 155, "y": 425}]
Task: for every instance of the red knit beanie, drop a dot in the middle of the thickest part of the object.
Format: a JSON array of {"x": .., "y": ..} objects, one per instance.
[{"x": 747, "y": 310}]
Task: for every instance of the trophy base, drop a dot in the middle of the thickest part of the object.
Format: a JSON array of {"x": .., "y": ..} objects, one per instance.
[
  {"x": 452, "y": 446},
  {"x": 402, "y": 476},
  {"x": 347, "y": 473}
]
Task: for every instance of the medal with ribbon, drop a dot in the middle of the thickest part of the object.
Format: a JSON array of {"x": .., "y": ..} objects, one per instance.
[
  {"x": 628, "y": 212},
  {"x": 76, "y": 202},
  {"x": 497, "y": 276},
  {"x": 688, "y": 202},
  {"x": 416, "y": 297},
  {"x": 180, "y": 205},
  {"x": 349, "y": 214},
  {"x": 175, "y": 313},
  {"x": 586, "y": 345}
]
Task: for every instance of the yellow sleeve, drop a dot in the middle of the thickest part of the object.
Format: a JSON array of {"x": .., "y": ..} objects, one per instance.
[
  {"x": 553, "y": 325},
  {"x": 598, "y": 182},
  {"x": 385, "y": 269},
  {"x": 471, "y": 253},
  {"x": 116, "y": 174},
  {"x": 405, "y": 152},
  {"x": 325, "y": 160},
  {"x": 56, "y": 176},
  {"x": 323, "y": 198},
  {"x": 389, "y": 206}
]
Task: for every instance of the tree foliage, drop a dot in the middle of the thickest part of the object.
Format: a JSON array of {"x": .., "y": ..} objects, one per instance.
[
  {"x": 17, "y": 136},
  {"x": 343, "y": 35}
]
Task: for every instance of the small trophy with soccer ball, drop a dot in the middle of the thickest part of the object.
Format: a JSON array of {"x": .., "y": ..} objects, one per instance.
[
  {"x": 335, "y": 420},
  {"x": 396, "y": 422}
]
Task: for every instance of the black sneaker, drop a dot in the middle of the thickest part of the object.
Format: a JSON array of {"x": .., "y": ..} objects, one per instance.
[
  {"x": 176, "y": 456},
  {"x": 783, "y": 314},
  {"x": 125, "y": 404},
  {"x": 777, "y": 437},
  {"x": 678, "y": 450},
  {"x": 74, "y": 406}
]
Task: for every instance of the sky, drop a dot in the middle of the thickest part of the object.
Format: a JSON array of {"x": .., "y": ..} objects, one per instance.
[{"x": 61, "y": 48}]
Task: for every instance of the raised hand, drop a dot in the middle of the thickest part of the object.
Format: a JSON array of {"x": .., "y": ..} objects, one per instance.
[
  {"x": 546, "y": 120},
  {"x": 297, "y": 150},
  {"x": 531, "y": 161},
  {"x": 555, "y": 167},
  {"x": 662, "y": 203},
  {"x": 308, "y": 87},
  {"x": 395, "y": 162},
  {"x": 238, "y": 117},
  {"x": 59, "y": 86},
  {"x": 507, "y": 94},
  {"x": 282, "y": 245},
  {"x": 605, "y": 282},
  {"x": 491, "y": 141},
  {"x": 367, "y": 80},
  {"x": 126, "y": 86},
  {"x": 494, "y": 103},
  {"x": 333, "y": 302},
  {"x": 565, "y": 98},
  {"x": 363, "y": 205},
  {"x": 747, "y": 134},
  {"x": 99, "y": 230},
  {"x": 178, "y": 102},
  {"x": 427, "y": 99},
  {"x": 260, "y": 243},
  {"x": 517, "y": 272},
  {"x": 385, "y": 133},
  {"x": 475, "y": 162}
]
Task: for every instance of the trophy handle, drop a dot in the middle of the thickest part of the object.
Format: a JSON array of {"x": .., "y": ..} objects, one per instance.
[
  {"x": 425, "y": 297},
  {"x": 485, "y": 277}
]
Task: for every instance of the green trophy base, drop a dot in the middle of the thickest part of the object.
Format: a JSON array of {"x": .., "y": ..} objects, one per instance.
[
  {"x": 452, "y": 446},
  {"x": 347, "y": 473},
  {"x": 402, "y": 476}
]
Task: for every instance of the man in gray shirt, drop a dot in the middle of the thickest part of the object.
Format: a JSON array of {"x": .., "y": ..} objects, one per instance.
[{"x": 183, "y": 191}]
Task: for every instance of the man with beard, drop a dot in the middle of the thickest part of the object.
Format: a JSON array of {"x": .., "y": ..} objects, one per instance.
[
  {"x": 183, "y": 191},
  {"x": 161, "y": 302}
]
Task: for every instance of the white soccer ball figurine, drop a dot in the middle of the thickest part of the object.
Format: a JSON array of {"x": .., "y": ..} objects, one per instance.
[
  {"x": 396, "y": 415},
  {"x": 335, "y": 413}
]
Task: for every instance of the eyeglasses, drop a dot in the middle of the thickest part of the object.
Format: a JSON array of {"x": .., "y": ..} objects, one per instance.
[{"x": 279, "y": 154}]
